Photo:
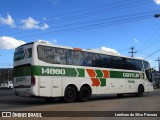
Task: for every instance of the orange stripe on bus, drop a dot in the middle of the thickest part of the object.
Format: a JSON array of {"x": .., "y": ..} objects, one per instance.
[
  {"x": 105, "y": 73},
  {"x": 95, "y": 82},
  {"x": 91, "y": 72}
]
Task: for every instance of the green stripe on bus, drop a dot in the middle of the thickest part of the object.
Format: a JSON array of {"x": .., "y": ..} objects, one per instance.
[
  {"x": 57, "y": 71},
  {"x": 81, "y": 72},
  {"x": 71, "y": 72},
  {"x": 22, "y": 71},
  {"x": 99, "y": 73},
  {"x": 103, "y": 82}
]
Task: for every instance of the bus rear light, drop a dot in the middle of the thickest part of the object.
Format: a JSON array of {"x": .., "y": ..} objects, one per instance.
[{"x": 33, "y": 80}]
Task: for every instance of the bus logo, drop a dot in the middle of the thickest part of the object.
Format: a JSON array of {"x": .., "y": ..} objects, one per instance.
[
  {"x": 131, "y": 75},
  {"x": 53, "y": 71}
]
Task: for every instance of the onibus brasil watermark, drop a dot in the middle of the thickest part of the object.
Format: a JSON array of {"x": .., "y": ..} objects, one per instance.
[
  {"x": 21, "y": 114},
  {"x": 80, "y": 114}
]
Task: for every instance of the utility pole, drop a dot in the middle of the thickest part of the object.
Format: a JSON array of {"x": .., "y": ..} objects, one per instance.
[
  {"x": 158, "y": 67},
  {"x": 132, "y": 51}
]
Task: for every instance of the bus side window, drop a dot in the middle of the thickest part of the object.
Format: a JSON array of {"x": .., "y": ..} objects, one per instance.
[
  {"x": 74, "y": 57},
  {"x": 131, "y": 64},
  {"x": 105, "y": 61},
  {"x": 86, "y": 59},
  {"x": 60, "y": 56},
  {"x": 134, "y": 64},
  {"x": 95, "y": 60},
  {"x": 118, "y": 62},
  {"x": 41, "y": 53}
]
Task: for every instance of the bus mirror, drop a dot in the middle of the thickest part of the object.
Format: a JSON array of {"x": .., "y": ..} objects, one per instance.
[{"x": 149, "y": 74}]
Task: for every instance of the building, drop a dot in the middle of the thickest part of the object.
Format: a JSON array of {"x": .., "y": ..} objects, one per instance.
[{"x": 6, "y": 74}]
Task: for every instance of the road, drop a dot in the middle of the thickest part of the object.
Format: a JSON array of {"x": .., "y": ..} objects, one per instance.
[{"x": 149, "y": 102}]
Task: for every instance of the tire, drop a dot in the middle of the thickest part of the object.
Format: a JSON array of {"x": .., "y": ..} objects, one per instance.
[
  {"x": 84, "y": 94},
  {"x": 120, "y": 95},
  {"x": 70, "y": 94},
  {"x": 140, "y": 91}
]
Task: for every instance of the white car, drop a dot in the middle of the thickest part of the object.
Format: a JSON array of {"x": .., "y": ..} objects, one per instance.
[{"x": 6, "y": 85}]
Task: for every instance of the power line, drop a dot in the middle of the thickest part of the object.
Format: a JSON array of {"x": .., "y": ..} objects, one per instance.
[
  {"x": 97, "y": 23},
  {"x": 108, "y": 10},
  {"x": 153, "y": 53},
  {"x": 135, "y": 16},
  {"x": 93, "y": 26},
  {"x": 150, "y": 41},
  {"x": 97, "y": 12}
]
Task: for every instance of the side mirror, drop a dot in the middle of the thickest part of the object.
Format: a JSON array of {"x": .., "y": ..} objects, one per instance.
[{"x": 149, "y": 74}]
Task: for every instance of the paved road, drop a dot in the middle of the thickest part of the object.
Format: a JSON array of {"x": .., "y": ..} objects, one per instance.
[{"x": 149, "y": 102}]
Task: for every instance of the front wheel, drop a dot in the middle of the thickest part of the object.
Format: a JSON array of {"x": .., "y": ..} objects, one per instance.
[
  {"x": 140, "y": 91},
  {"x": 70, "y": 94}
]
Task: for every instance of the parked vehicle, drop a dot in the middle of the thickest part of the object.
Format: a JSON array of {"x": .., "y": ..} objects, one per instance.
[{"x": 6, "y": 85}]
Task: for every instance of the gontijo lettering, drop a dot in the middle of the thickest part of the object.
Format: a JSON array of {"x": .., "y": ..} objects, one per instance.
[{"x": 131, "y": 75}]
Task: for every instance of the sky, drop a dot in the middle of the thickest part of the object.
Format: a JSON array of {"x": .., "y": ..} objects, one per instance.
[{"x": 114, "y": 25}]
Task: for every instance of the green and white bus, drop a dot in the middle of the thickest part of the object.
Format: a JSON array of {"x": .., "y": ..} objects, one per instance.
[{"x": 51, "y": 71}]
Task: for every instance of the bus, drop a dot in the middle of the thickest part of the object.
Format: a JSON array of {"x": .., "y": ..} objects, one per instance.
[{"x": 52, "y": 71}]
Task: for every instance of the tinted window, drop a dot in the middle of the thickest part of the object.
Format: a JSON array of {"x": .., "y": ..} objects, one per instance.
[
  {"x": 52, "y": 55},
  {"x": 134, "y": 64},
  {"x": 118, "y": 62},
  {"x": 93, "y": 59},
  {"x": 105, "y": 61},
  {"x": 72, "y": 57}
]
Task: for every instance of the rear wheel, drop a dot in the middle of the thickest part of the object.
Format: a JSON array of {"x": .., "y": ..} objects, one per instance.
[
  {"x": 70, "y": 94},
  {"x": 84, "y": 94},
  {"x": 140, "y": 91}
]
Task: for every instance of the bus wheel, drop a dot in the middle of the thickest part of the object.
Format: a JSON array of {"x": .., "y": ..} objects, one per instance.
[
  {"x": 84, "y": 94},
  {"x": 140, "y": 91},
  {"x": 70, "y": 94}
]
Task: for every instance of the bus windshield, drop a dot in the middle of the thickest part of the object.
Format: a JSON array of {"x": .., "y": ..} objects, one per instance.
[{"x": 23, "y": 52}]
